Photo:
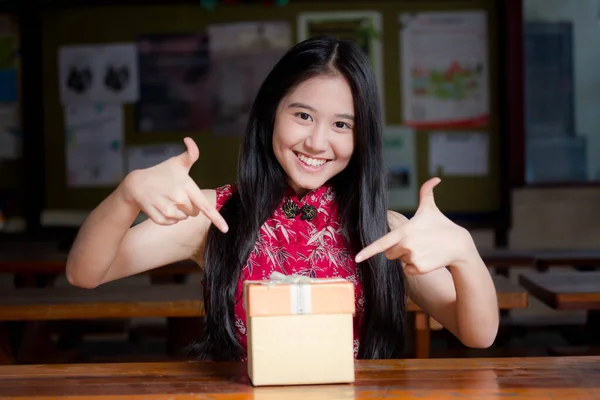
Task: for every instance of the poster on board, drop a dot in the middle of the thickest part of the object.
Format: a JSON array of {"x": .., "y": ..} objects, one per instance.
[
  {"x": 444, "y": 69},
  {"x": 241, "y": 56},
  {"x": 94, "y": 74},
  {"x": 94, "y": 145},
  {"x": 176, "y": 88}
]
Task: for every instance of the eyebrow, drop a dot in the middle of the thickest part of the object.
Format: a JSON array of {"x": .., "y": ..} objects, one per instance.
[{"x": 307, "y": 107}]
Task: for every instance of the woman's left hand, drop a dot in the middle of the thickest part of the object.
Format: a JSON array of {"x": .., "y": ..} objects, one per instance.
[{"x": 427, "y": 242}]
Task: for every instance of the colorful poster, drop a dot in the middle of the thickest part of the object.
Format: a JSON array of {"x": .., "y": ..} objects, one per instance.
[
  {"x": 362, "y": 27},
  {"x": 399, "y": 155},
  {"x": 444, "y": 69},
  {"x": 94, "y": 74},
  {"x": 94, "y": 145},
  {"x": 241, "y": 56},
  {"x": 176, "y": 87}
]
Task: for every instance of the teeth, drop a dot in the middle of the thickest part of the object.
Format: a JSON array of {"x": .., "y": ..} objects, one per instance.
[{"x": 311, "y": 161}]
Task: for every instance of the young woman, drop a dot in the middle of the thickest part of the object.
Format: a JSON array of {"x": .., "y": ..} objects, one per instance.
[{"x": 310, "y": 198}]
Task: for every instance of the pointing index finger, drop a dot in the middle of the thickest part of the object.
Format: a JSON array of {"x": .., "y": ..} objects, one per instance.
[
  {"x": 380, "y": 245},
  {"x": 211, "y": 212}
]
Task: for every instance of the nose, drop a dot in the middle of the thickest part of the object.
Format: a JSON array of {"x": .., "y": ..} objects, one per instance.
[{"x": 317, "y": 140}]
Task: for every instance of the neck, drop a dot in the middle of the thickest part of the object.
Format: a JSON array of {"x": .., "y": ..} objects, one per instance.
[{"x": 300, "y": 192}]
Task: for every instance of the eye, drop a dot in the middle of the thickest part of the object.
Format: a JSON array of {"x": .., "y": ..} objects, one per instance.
[
  {"x": 304, "y": 116},
  {"x": 342, "y": 125}
]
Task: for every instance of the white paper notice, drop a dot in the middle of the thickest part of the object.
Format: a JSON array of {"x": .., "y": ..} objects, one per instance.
[
  {"x": 119, "y": 73},
  {"x": 459, "y": 154},
  {"x": 400, "y": 163},
  {"x": 10, "y": 132},
  {"x": 99, "y": 74},
  {"x": 144, "y": 156},
  {"x": 77, "y": 74},
  {"x": 94, "y": 144},
  {"x": 444, "y": 69}
]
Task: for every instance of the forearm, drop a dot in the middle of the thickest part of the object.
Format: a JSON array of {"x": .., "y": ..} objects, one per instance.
[
  {"x": 476, "y": 301},
  {"x": 99, "y": 239}
]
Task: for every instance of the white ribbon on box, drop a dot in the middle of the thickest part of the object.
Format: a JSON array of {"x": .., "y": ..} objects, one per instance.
[
  {"x": 277, "y": 278},
  {"x": 300, "y": 289}
]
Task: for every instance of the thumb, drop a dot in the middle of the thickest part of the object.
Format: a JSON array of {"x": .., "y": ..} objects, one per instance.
[
  {"x": 190, "y": 155},
  {"x": 427, "y": 202}
]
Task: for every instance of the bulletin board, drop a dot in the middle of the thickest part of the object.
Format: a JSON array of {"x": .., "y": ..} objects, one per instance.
[{"x": 462, "y": 196}]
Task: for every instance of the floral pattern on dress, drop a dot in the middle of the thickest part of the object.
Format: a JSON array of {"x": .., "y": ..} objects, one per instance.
[{"x": 314, "y": 248}]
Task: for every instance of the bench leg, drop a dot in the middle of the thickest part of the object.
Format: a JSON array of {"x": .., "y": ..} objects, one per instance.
[
  {"x": 6, "y": 356},
  {"x": 423, "y": 335},
  {"x": 592, "y": 326}
]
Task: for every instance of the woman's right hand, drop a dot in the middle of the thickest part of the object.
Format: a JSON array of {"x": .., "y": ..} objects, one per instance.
[{"x": 167, "y": 194}]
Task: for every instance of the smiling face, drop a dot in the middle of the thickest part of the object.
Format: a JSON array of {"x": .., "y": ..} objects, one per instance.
[{"x": 313, "y": 136}]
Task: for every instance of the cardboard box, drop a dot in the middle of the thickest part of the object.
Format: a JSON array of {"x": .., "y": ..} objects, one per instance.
[{"x": 300, "y": 330}]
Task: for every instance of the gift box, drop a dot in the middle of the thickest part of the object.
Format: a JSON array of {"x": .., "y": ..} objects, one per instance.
[{"x": 300, "y": 330}]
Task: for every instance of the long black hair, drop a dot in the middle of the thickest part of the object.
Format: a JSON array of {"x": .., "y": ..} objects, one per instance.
[{"x": 261, "y": 182}]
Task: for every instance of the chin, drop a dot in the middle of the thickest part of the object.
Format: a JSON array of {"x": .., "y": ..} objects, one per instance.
[{"x": 308, "y": 184}]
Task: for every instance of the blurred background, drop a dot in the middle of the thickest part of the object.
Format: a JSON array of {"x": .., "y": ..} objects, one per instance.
[{"x": 500, "y": 98}]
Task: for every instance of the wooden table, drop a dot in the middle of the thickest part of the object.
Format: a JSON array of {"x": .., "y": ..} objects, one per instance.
[
  {"x": 528, "y": 378},
  {"x": 570, "y": 290},
  {"x": 565, "y": 290}
]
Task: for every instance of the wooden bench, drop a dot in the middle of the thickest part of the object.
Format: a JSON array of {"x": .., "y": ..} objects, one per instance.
[
  {"x": 106, "y": 301},
  {"x": 569, "y": 290},
  {"x": 180, "y": 304},
  {"x": 141, "y": 301},
  {"x": 564, "y": 290}
]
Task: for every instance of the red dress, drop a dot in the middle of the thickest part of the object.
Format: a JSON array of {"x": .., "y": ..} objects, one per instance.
[{"x": 314, "y": 248}]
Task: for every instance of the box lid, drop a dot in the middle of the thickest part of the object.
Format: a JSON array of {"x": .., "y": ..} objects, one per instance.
[{"x": 290, "y": 295}]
